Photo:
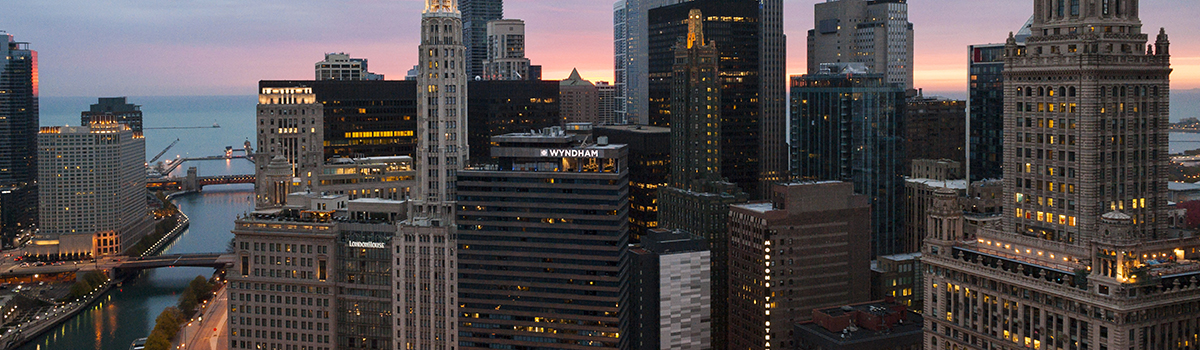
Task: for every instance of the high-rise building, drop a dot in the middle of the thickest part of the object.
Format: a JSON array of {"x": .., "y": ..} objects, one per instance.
[
  {"x": 806, "y": 249},
  {"x": 543, "y": 245},
  {"x": 290, "y": 124},
  {"x": 935, "y": 128},
  {"x": 697, "y": 196},
  {"x": 630, "y": 34},
  {"x": 649, "y": 165},
  {"x": 498, "y": 107},
  {"x": 848, "y": 125},
  {"x": 671, "y": 294},
  {"x": 18, "y": 136},
  {"x": 876, "y": 33},
  {"x": 606, "y": 99},
  {"x": 749, "y": 39},
  {"x": 1084, "y": 230},
  {"x": 925, "y": 178},
  {"x": 125, "y": 113},
  {"x": 475, "y": 17},
  {"x": 985, "y": 122},
  {"x": 506, "y": 51},
  {"x": 578, "y": 101},
  {"x": 93, "y": 199},
  {"x": 362, "y": 118},
  {"x": 339, "y": 66}
]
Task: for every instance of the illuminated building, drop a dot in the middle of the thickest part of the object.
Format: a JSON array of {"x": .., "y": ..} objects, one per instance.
[
  {"x": 848, "y": 125},
  {"x": 125, "y": 113},
  {"x": 986, "y": 120},
  {"x": 750, "y": 41},
  {"x": 18, "y": 137},
  {"x": 875, "y": 33},
  {"x": 362, "y": 118},
  {"x": 806, "y": 249},
  {"x": 498, "y": 107},
  {"x": 544, "y": 245},
  {"x": 339, "y": 66},
  {"x": 649, "y": 164},
  {"x": 1083, "y": 257},
  {"x": 506, "y": 51},
  {"x": 93, "y": 201}
]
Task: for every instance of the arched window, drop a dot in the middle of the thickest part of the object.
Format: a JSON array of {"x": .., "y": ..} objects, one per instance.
[{"x": 1071, "y": 92}]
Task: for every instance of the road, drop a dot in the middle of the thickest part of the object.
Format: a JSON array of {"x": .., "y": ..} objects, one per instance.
[{"x": 209, "y": 331}]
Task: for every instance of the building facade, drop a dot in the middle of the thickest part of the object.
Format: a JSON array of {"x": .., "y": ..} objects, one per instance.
[
  {"x": 671, "y": 294},
  {"x": 18, "y": 136},
  {"x": 506, "y": 51},
  {"x": 339, "y": 66},
  {"x": 475, "y": 16},
  {"x": 985, "y": 124},
  {"x": 543, "y": 245},
  {"x": 579, "y": 100},
  {"x": 649, "y": 164},
  {"x": 935, "y": 128},
  {"x": 749, "y": 38},
  {"x": 606, "y": 99},
  {"x": 875, "y": 33},
  {"x": 94, "y": 198},
  {"x": 372, "y": 118},
  {"x": 125, "y": 113},
  {"x": 498, "y": 107},
  {"x": 1084, "y": 230},
  {"x": 290, "y": 124},
  {"x": 806, "y": 249},
  {"x": 848, "y": 126},
  {"x": 631, "y": 49}
]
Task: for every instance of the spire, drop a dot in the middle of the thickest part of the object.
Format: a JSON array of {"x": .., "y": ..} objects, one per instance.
[
  {"x": 1162, "y": 44},
  {"x": 574, "y": 75},
  {"x": 695, "y": 23}
]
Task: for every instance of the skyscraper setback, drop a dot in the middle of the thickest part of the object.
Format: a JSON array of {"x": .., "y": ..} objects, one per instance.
[
  {"x": 1084, "y": 242},
  {"x": 18, "y": 135}
]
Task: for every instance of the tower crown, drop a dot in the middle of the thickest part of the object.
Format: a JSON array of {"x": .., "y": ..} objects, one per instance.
[
  {"x": 441, "y": 6},
  {"x": 695, "y": 23}
]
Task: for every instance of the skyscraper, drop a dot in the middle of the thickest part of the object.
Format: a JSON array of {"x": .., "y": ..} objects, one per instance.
[
  {"x": 1084, "y": 229},
  {"x": 544, "y": 245},
  {"x": 506, "y": 51},
  {"x": 475, "y": 17},
  {"x": 749, "y": 40},
  {"x": 848, "y": 125},
  {"x": 339, "y": 66},
  {"x": 934, "y": 128},
  {"x": 697, "y": 196},
  {"x": 94, "y": 197},
  {"x": 671, "y": 297},
  {"x": 578, "y": 99},
  {"x": 125, "y": 113},
  {"x": 985, "y": 120},
  {"x": 630, "y": 33},
  {"x": 649, "y": 166},
  {"x": 18, "y": 136},
  {"x": 876, "y": 33},
  {"x": 290, "y": 124},
  {"x": 606, "y": 98}
]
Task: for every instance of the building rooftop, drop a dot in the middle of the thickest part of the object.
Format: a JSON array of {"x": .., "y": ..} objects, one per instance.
[
  {"x": 645, "y": 129},
  {"x": 863, "y": 323},
  {"x": 952, "y": 184},
  {"x": 758, "y": 207},
  {"x": 1182, "y": 186}
]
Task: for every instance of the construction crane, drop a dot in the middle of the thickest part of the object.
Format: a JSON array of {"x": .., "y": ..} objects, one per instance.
[{"x": 164, "y": 151}]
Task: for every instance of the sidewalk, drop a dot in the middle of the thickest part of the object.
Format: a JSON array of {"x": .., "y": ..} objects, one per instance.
[{"x": 208, "y": 331}]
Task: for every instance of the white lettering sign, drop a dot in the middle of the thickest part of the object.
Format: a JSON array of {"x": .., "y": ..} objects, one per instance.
[
  {"x": 376, "y": 245},
  {"x": 571, "y": 153}
]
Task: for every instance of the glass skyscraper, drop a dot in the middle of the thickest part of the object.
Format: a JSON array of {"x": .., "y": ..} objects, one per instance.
[{"x": 18, "y": 136}]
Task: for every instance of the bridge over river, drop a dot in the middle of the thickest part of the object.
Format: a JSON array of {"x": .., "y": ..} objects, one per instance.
[{"x": 126, "y": 264}]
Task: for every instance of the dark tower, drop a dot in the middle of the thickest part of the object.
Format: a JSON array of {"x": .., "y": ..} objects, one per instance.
[
  {"x": 475, "y": 17},
  {"x": 18, "y": 136}
]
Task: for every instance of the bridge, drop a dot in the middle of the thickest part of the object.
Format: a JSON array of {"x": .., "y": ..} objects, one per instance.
[
  {"x": 127, "y": 264},
  {"x": 192, "y": 182}
]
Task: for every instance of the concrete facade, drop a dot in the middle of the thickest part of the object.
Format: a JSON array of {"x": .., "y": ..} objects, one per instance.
[
  {"x": 506, "y": 51},
  {"x": 876, "y": 33}
]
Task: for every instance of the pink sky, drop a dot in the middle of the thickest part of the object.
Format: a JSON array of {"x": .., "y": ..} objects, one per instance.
[{"x": 223, "y": 47}]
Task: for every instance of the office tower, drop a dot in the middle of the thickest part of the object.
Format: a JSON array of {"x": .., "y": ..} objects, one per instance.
[
  {"x": 1084, "y": 227},
  {"x": 373, "y": 118},
  {"x": 898, "y": 277},
  {"x": 543, "y": 245},
  {"x": 93, "y": 197},
  {"x": 926, "y": 177},
  {"x": 883, "y": 324},
  {"x": 606, "y": 99},
  {"x": 875, "y": 33},
  {"x": 290, "y": 124},
  {"x": 806, "y": 249},
  {"x": 985, "y": 122},
  {"x": 286, "y": 260},
  {"x": 125, "y": 113},
  {"x": 630, "y": 34},
  {"x": 475, "y": 16},
  {"x": 935, "y": 128},
  {"x": 671, "y": 292},
  {"x": 339, "y": 66},
  {"x": 498, "y": 107},
  {"x": 649, "y": 165},
  {"x": 847, "y": 125},
  {"x": 506, "y": 51},
  {"x": 579, "y": 100},
  {"x": 753, "y": 122},
  {"x": 18, "y": 136}
]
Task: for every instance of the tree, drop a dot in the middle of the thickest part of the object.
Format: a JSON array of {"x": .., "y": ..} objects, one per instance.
[{"x": 200, "y": 287}]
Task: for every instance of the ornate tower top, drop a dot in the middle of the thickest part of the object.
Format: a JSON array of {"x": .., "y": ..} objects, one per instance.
[
  {"x": 441, "y": 6},
  {"x": 695, "y": 23}
]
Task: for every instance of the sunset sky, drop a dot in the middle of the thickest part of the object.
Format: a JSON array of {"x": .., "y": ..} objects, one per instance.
[{"x": 223, "y": 47}]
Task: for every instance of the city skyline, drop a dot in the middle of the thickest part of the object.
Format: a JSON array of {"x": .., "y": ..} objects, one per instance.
[{"x": 214, "y": 48}]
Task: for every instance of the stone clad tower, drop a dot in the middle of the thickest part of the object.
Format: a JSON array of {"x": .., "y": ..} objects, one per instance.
[{"x": 441, "y": 110}]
